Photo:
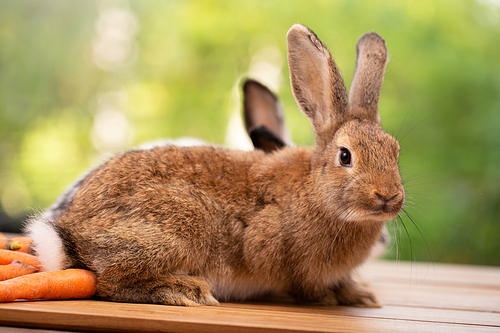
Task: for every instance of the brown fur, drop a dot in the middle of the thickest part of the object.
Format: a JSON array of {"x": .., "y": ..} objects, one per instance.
[{"x": 172, "y": 225}]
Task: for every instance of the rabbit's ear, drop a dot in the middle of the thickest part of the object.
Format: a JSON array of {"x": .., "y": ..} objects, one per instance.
[
  {"x": 316, "y": 81},
  {"x": 261, "y": 108},
  {"x": 264, "y": 139},
  {"x": 371, "y": 60}
]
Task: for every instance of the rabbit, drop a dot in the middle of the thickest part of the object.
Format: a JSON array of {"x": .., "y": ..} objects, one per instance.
[
  {"x": 264, "y": 122},
  {"x": 197, "y": 225}
]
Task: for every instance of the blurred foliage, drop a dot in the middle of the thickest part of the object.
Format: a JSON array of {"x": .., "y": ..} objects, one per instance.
[{"x": 80, "y": 80}]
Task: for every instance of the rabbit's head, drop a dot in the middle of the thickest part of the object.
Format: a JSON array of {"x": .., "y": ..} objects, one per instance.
[{"x": 355, "y": 163}]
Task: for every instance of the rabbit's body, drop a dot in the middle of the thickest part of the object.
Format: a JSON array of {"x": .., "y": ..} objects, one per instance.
[
  {"x": 176, "y": 225},
  {"x": 191, "y": 212}
]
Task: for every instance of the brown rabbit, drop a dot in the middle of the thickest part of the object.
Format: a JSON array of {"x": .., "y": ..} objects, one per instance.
[{"x": 193, "y": 225}]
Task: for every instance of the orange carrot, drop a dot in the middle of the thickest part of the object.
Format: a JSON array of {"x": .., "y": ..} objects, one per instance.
[
  {"x": 24, "y": 241},
  {"x": 15, "y": 269},
  {"x": 9, "y": 244},
  {"x": 6, "y": 257},
  {"x": 67, "y": 284}
]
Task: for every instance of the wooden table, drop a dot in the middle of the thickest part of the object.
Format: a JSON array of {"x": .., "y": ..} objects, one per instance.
[{"x": 416, "y": 297}]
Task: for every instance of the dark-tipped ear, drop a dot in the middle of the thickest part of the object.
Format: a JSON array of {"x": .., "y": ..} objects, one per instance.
[
  {"x": 371, "y": 60},
  {"x": 264, "y": 139},
  {"x": 316, "y": 81},
  {"x": 262, "y": 108}
]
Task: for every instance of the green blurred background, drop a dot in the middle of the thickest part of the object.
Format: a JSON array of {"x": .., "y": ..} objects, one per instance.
[{"x": 81, "y": 80}]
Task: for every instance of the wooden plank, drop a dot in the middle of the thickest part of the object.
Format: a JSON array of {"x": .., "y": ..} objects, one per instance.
[
  {"x": 429, "y": 273},
  {"x": 386, "y": 312},
  {"x": 413, "y": 300},
  {"x": 11, "y": 329},
  {"x": 92, "y": 315},
  {"x": 437, "y": 296}
]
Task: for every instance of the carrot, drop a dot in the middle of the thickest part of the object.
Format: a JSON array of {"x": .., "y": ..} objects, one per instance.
[
  {"x": 67, "y": 284},
  {"x": 15, "y": 269},
  {"x": 9, "y": 244},
  {"x": 24, "y": 241},
  {"x": 6, "y": 257}
]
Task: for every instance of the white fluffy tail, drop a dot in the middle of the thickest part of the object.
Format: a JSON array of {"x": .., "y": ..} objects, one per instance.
[{"x": 47, "y": 244}]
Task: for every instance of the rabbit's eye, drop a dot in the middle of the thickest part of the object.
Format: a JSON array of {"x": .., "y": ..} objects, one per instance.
[{"x": 345, "y": 157}]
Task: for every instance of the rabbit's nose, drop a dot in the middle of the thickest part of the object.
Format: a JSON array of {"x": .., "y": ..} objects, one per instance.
[
  {"x": 392, "y": 202},
  {"x": 384, "y": 198}
]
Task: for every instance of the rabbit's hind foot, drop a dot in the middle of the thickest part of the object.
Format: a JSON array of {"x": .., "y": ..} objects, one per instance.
[{"x": 182, "y": 290}]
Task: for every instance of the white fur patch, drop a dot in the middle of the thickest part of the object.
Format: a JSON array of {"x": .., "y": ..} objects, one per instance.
[{"x": 46, "y": 243}]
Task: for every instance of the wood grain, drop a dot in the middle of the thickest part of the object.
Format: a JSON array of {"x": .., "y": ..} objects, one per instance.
[
  {"x": 429, "y": 273},
  {"x": 452, "y": 299}
]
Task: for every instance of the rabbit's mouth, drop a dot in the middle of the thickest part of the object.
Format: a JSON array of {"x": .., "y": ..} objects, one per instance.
[
  {"x": 381, "y": 215},
  {"x": 378, "y": 211},
  {"x": 385, "y": 210},
  {"x": 382, "y": 206},
  {"x": 372, "y": 215},
  {"x": 375, "y": 207}
]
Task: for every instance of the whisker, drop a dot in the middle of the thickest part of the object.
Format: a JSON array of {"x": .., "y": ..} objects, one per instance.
[
  {"x": 358, "y": 178},
  {"x": 402, "y": 124},
  {"x": 404, "y": 136},
  {"x": 420, "y": 229},
  {"x": 412, "y": 252},
  {"x": 419, "y": 176},
  {"x": 420, "y": 184},
  {"x": 419, "y": 208},
  {"x": 397, "y": 233}
]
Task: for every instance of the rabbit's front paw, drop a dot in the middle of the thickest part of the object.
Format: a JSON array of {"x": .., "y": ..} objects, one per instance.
[{"x": 351, "y": 293}]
